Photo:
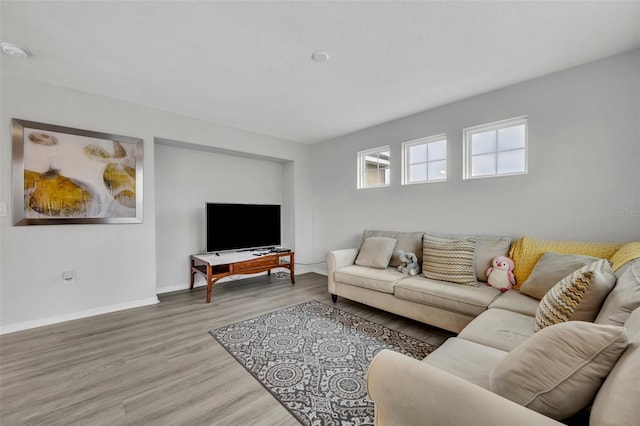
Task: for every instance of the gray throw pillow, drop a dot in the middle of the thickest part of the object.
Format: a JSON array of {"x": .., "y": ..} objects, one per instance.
[
  {"x": 623, "y": 299},
  {"x": 558, "y": 371},
  {"x": 550, "y": 269},
  {"x": 376, "y": 252}
]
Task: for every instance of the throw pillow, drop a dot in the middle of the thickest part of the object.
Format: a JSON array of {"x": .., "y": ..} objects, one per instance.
[
  {"x": 558, "y": 371},
  {"x": 376, "y": 252},
  {"x": 602, "y": 281},
  {"x": 449, "y": 260},
  {"x": 550, "y": 269},
  {"x": 623, "y": 299},
  {"x": 563, "y": 299}
]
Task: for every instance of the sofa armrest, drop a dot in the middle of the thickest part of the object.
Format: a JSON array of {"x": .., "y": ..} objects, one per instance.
[
  {"x": 409, "y": 392},
  {"x": 337, "y": 259}
]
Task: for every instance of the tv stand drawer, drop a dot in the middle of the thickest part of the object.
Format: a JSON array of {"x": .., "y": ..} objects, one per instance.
[{"x": 265, "y": 262}]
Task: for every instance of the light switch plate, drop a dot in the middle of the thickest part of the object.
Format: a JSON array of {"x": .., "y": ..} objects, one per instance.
[{"x": 3, "y": 209}]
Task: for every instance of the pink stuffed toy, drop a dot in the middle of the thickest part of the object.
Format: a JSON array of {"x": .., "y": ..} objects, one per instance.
[{"x": 500, "y": 275}]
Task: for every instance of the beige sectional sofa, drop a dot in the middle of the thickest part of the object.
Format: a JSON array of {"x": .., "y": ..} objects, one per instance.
[{"x": 493, "y": 371}]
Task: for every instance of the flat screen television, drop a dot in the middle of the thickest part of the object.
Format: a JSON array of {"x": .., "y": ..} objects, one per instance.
[{"x": 242, "y": 226}]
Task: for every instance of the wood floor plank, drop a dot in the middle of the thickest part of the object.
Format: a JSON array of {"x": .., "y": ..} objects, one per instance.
[{"x": 158, "y": 365}]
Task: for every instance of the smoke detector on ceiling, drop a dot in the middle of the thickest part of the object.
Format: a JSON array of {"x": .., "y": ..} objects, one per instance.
[
  {"x": 320, "y": 56},
  {"x": 15, "y": 50}
]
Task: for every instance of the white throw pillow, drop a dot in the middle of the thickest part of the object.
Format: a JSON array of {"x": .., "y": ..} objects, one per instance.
[{"x": 558, "y": 371}]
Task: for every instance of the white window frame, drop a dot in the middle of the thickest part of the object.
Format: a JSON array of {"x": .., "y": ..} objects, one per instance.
[
  {"x": 495, "y": 126},
  {"x": 362, "y": 155},
  {"x": 406, "y": 158}
]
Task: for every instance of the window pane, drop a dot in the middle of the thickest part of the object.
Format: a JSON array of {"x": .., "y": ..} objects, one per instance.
[
  {"x": 511, "y": 138},
  {"x": 437, "y": 150},
  {"x": 482, "y": 143},
  {"x": 437, "y": 170},
  {"x": 418, "y": 154},
  {"x": 483, "y": 165},
  {"x": 418, "y": 172},
  {"x": 511, "y": 161}
]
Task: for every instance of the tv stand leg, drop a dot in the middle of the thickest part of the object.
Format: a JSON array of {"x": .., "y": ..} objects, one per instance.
[
  {"x": 193, "y": 274},
  {"x": 334, "y": 297}
]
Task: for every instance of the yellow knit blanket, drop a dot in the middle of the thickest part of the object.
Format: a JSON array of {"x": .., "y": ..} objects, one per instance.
[
  {"x": 627, "y": 253},
  {"x": 526, "y": 251}
]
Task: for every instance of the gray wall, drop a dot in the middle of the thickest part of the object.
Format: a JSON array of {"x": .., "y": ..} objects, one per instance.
[
  {"x": 584, "y": 147},
  {"x": 115, "y": 264},
  {"x": 185, "y": 180}
]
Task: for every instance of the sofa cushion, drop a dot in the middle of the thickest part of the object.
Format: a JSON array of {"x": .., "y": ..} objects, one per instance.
[
  {"x": 526, "y": 251},
  {"x": 514, "y": 301},
  {"x": 550, "y": 269},
  {"x": 558, "y": 371},
  {"x": 374, "y": 279},
  {"x": 500, "y": 329},
  {"x": 449, "y": 260},
  {"x": 624, "y": 268},
  {"x": 467, "y": 360},
  {"x": 450, "y": 296},
  {"x": 623, "y": 299},
  {"x": 376, "y": 252},
  {"x": 559, "y": 304},
  {"x": 407, "y": 242},
  {"x": 617, "y": 400}
]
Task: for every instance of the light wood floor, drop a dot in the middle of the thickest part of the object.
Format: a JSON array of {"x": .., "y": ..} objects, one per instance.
[{"x": 157, "y": 365}]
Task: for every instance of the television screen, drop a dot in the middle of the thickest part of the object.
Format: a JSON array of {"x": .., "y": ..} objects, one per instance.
[{"x": 242, "y": 226}]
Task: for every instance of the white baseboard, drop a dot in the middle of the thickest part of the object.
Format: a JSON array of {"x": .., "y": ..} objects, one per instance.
[
  {"x": 12, "y": 328},
  {"x": 321, "y": 271}
]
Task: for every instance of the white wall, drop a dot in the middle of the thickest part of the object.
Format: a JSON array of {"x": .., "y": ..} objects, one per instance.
[
  {"x": 115, "y": 264},
  {"x": 185, "y": 180},
  {"x": 584, "y": 147}
]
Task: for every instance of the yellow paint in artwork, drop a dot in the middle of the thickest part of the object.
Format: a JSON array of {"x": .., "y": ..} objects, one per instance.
[
  {"x": 56, "y": 195},
  {"x": 116, "y": 178}
]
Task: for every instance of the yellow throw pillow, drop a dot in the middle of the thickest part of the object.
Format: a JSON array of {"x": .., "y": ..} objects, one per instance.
[{"x": 526, "y": 251}]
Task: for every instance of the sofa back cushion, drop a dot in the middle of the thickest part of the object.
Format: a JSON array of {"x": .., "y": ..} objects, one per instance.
[
  {"x": 617, "y": 401},
  {"x": 406, "y": 241},
  {"x": 623, "y": 299}
]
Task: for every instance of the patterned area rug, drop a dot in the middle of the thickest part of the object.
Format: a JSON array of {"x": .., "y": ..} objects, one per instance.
[{"x": 313, "y": 358}]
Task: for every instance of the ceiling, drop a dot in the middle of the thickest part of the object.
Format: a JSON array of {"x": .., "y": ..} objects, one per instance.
[{"x": 248, "y": 64}]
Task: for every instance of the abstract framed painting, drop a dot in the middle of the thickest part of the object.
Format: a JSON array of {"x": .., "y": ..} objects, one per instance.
[{"x": 63, "y": 175}]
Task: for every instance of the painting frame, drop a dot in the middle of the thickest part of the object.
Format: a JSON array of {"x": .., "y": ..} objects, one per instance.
[{"x": 130, "y": 209}]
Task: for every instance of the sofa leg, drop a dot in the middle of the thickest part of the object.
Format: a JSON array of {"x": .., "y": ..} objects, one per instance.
[{"x": 334, "y": 297}]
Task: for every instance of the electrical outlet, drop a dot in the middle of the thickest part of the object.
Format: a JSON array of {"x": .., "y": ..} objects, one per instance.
[
  {"x": 3, "y": 209},
  {"x": 69, "y": 277}
]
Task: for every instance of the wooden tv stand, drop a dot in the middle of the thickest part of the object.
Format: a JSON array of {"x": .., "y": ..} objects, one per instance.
[{"x": 214, "y": 267}]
